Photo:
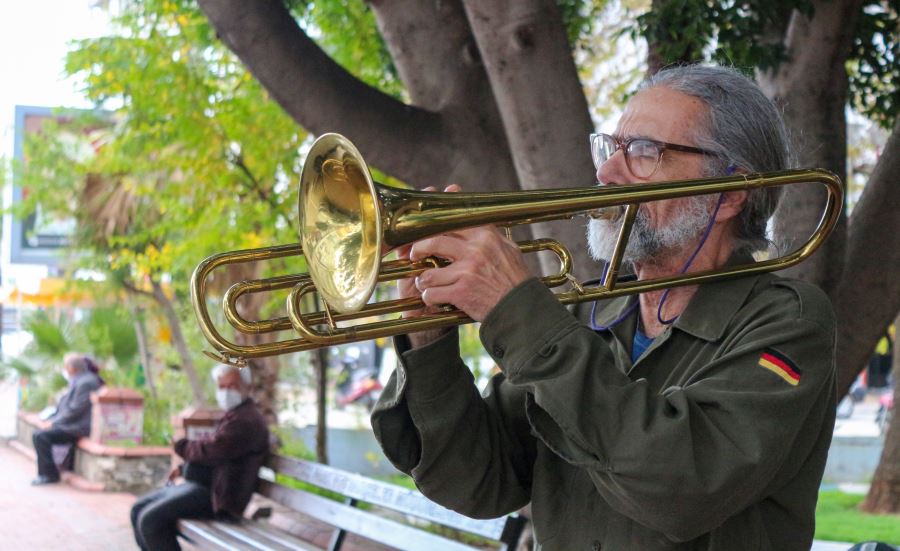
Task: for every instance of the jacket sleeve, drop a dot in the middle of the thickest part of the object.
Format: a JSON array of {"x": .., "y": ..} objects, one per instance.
[
  {"x": 76, "y": 407},
  {"x": 683, "y": 460},
  {"x": 470, "y": 453},
  {"x": 233, "y": 439}
]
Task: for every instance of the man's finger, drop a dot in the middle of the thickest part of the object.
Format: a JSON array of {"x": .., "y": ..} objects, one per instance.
[
  {"x": 438, "y": 277},
  {"x": 448, "y": 246}
]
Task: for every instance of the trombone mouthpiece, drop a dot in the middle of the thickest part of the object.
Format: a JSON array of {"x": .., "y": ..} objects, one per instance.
[{"x": 609, "y": 214}]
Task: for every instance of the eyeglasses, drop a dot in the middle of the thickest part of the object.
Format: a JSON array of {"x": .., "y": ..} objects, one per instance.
[{"x": 642, "y": 155}]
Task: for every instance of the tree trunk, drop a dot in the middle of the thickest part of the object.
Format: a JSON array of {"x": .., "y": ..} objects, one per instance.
[
  {"x": 884, "y": 493},
  {"x": 435, "y": 53},
  {"x": 535, "y": 82},
  {"x": 812, "y": 88},
  {"x": 187, "y": 362},
  {"x": 143, "y": 351}
]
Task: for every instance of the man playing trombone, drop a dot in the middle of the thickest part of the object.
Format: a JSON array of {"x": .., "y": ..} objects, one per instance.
[{"x": 695, "y": 418}]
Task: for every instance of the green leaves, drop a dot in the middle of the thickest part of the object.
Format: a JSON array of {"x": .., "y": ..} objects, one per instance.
[
  {"x": 198, "y": 158},
  {"x": 874, "y": 68},
  {"x": 746, "y": 34},
  {"x": 750, "y": 35},
  {"x": 348, "y": 33},
  {"x": 52, "y": 337}
]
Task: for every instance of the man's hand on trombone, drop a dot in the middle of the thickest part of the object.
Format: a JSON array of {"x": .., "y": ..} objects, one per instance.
[{"x": 484, "y": 266}]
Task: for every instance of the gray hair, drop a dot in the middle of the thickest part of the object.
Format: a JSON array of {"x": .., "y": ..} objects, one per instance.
[
  {"x": 223, "y": 369},
  {"x": 78, "y": 362},
  {"x": 745, "y": 131}
]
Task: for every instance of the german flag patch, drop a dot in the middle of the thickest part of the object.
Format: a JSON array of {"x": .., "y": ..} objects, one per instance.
[{"x": 781, "y": 366}]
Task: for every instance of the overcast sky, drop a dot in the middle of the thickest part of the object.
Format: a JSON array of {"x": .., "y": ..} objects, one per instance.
[{"x": 33, "y": 43}]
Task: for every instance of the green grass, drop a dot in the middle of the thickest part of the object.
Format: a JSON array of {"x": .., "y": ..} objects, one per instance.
[{"x": 839, "y": 519}]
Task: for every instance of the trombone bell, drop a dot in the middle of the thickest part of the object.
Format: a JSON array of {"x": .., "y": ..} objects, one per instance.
[{"x": 340, "y": 223}]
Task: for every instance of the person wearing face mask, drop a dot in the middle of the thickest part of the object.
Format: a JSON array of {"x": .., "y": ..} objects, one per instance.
[
  {"x": 72, "y": 419},
  {"x": 228, "y": 462}
]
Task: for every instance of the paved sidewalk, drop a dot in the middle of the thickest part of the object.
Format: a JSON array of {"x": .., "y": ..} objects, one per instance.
[{"x": 58, "y": 516}]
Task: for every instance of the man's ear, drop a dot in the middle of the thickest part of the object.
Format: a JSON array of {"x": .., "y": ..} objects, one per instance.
[{"x": 732, "y": 203}]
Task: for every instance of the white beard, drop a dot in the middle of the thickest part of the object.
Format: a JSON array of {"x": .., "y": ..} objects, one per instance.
[{"x": 646, "y": 244}]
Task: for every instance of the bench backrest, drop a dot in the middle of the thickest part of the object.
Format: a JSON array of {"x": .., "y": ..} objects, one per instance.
[{"x": 357, "y": 488}]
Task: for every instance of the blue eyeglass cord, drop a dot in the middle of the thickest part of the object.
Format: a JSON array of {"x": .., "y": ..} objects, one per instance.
[{"x": 665, "y": 295}]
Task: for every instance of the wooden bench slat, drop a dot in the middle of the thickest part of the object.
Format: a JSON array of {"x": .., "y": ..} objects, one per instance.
[
  {"x": 246, "y": 536},
  {"x": 384, "y": 494},
  {"x": 199, "y": 532},
  {"x": 359, "y": 522},
  {"x": 256, "y": 542},
  {"x": 279, "y": 537}
]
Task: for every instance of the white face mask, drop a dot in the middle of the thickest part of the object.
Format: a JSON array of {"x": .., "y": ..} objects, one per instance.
[{"x": 228, "y": 398}]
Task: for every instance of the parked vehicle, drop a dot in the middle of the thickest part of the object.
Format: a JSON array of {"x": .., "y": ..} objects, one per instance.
[{"x": 357, "y": 378}]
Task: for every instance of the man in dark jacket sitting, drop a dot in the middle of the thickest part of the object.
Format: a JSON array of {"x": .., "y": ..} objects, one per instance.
[
  {"x": 72, "y": 419},
  {"x": 220, "y": 471}
]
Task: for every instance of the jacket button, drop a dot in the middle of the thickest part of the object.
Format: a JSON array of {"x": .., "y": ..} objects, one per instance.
[
  {"x": 596, "y": 546},
  {"x": 499, "y": 351}
]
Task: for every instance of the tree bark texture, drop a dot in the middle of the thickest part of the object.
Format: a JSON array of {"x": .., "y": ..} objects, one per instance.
[
  {"x": 541, "y": 100},
  {"x": 811, "y": 87}
]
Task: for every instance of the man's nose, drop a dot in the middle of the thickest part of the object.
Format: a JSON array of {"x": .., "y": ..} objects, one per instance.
[{"x": 614, "y": 170}]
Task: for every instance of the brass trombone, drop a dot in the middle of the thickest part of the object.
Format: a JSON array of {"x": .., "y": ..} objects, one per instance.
[{"x": 348, "y": 223}]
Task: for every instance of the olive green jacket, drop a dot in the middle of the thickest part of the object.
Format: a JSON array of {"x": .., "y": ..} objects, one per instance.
[{"x": 715, "y": 439}]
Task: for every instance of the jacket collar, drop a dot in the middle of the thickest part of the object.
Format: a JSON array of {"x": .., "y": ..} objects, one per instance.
[
  {"x": 707, "y": 314},
  {"x": 714, "y": 305}
]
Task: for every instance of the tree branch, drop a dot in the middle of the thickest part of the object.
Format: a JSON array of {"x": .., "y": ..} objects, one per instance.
[
  {"x": 135, "y": 291},
  {"x": 318, "y": 93}
]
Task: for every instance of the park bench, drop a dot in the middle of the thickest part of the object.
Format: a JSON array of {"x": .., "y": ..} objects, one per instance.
[{"x": 398, "y": 519}]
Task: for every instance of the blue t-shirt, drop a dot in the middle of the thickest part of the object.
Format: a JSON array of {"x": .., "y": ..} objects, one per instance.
[{"x": 640, "y": 344}]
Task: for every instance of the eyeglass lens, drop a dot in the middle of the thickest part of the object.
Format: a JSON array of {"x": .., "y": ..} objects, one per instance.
[{"x": 641, "y": 156}]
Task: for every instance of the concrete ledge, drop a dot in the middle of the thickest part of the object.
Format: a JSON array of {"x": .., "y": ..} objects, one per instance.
[
  {"x": 137, "y": 451},
  {"x": 98, "y": 467},
  {"x": 68, "y": 477}
]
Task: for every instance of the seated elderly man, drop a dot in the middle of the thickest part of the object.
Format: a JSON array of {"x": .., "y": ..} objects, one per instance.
[
  {"x": 692, "y": 419},
  {"x": 72, "y": 419},
  {"x": 220, "y": 470}
]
